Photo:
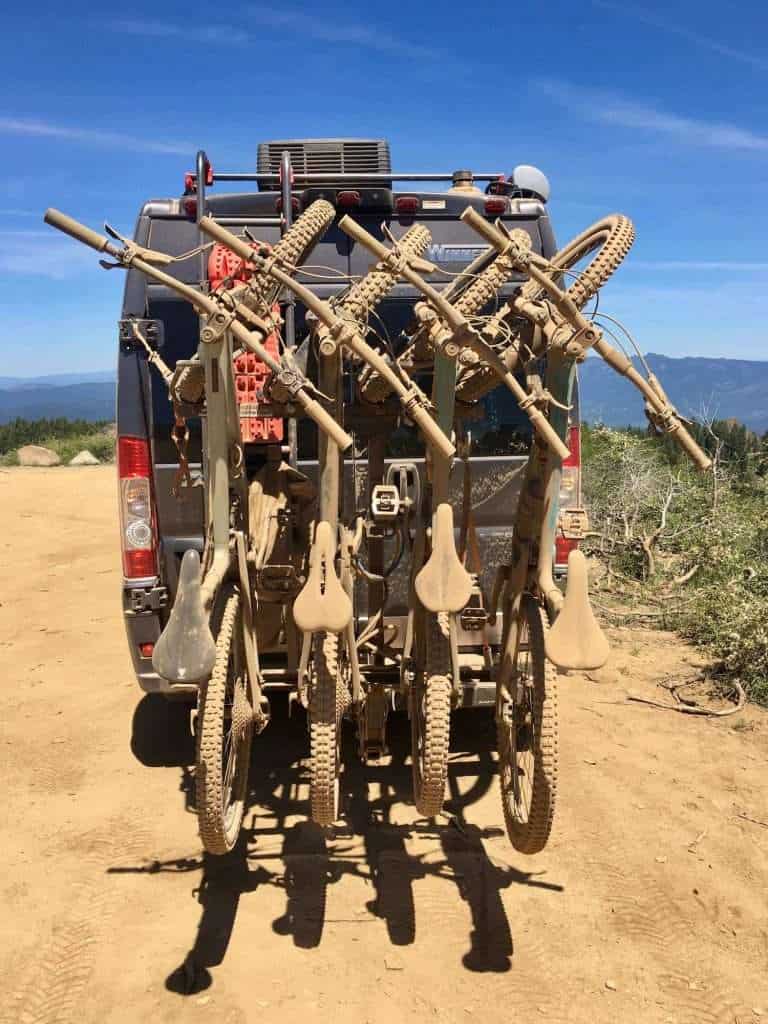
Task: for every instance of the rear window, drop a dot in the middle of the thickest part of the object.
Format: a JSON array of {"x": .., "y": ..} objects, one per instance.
[
  {"x": 181, "y": 332},
  {"x": 503, "y": 429},
  {"x": 498, "y": 427}
]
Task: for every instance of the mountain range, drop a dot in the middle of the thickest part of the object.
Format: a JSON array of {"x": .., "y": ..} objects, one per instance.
[
  {"x": 721, "y": 388},
  {"x": 698, "y": 386}
]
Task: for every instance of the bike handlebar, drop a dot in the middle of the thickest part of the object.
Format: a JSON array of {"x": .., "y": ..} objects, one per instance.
[
  {"x": 658, "y": 402},
  {"x": 76, "y": 230},
  {"x": 347, "y": 336},
  {"x": 690, "y": 447},
  {"x": 461, "y": 329},
  {"x": 209, "y": 306}
]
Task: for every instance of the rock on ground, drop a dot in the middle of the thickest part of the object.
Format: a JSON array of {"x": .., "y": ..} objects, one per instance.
[
  {"x": 84, "y": 458},
  {"x": 36, "y": 455}
]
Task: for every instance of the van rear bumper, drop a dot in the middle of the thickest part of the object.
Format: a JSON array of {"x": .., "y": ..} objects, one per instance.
[{"x": 144, "y": 627}]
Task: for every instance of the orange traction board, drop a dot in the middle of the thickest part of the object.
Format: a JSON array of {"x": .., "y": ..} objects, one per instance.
[{"x": 226, "y": 270}]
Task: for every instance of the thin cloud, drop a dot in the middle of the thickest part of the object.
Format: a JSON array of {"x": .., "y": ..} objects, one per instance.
[
  {"x": 609, "y": 108},
  {"x": 226, "y": 35},
  {"x": 43, "y": 253},
  {"x": 31, "y": 128},
  {"x": 725, "y": 266},
  {"x": 287, "y": 22},
  {"x": 326, "y": 31},
  {"x": 648, "y": 18}
]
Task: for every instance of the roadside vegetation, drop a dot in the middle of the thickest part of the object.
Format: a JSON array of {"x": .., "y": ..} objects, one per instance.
[
  {"x": 65, "y": 437},
  {"x": 680, "y": 549}
]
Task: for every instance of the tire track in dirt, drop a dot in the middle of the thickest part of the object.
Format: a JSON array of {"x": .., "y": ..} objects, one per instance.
[
  {"x": 636, "y": 906},
  {"x": 53, "y": 982}
]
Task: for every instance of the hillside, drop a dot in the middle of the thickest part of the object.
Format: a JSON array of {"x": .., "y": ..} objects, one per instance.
[
  {"x": 87, "y": 400},
  {"x": 56, "y": 380},
  {"x": 727, "y": 388}
]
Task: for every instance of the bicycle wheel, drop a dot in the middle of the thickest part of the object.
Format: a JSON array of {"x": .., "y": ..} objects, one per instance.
[
  {"x": 610, "y": 239},
  {"x": 262, "y": 291},
  {"x": 328, "y": 700},
  {"x": 299, "y": 240},
  {"x": 528, "y": 740},
  {"x": 367, "y": 293},
  {"x": 430, "y": 711},
  {"x": 224, "y": 731}
]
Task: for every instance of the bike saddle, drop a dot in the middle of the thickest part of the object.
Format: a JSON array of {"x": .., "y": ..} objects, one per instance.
[
  {"x": 322, "y": 604},
  {"x": 186, "y": 651},
  {"x": 576, "y": 639},
  {"x": 443, "y": 584}
]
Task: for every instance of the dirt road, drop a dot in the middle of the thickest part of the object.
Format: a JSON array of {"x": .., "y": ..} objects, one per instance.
[{"x": 649, "y": 904}]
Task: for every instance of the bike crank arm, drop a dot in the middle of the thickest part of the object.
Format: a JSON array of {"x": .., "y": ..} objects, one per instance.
[
  {"x": 220, "y": 316},
  {"x": 341, "y": 332}
]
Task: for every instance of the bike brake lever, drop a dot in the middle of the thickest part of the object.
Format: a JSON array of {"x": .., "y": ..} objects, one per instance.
[{"x": 290, "y": 362}]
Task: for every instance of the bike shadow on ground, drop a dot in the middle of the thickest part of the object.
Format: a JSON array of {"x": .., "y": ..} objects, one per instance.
[{"x": 370, "y": 843}]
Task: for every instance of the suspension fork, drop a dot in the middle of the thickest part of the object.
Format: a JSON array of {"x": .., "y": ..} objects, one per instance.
[
  {"x": 328, "y": 452},
  {"x": 521, "y": 572},
  {"x": 329, "y": 455},
  {"x": 444, "y": 401},
  {"x": 222, "y": 434},
  {"x": 375, "y": 545}
]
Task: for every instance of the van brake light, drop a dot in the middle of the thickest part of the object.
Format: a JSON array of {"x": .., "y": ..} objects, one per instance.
[
  {"x": 138, "y": 533},
  {"x": 570, "y": 493}
]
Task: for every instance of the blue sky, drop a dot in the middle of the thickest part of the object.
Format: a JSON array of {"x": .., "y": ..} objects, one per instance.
[{"x": 656, "y": 110}]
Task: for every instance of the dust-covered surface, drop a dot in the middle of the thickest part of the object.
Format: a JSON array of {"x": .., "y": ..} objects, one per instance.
[{"x": 648, "y": 905}]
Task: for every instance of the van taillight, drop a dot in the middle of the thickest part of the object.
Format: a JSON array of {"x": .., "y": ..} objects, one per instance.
[
  {"x": 570, "y": 491},
  {"x": 574, "y": 447},
  {"x": 496, "y": 206},
  {"x": 406, "y": 206},
  {"x": 295, "y": 205},
  {"x": 563, "y": 547},
  {"x": 348, "y": 200},
  {"x": 570, "y": 482},
  {"x": 138, "y": 533}
]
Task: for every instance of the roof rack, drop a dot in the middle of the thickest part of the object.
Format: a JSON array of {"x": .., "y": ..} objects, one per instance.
[
  {"x": 205, "y": 172},
  {"x": 343, "y": 177}
]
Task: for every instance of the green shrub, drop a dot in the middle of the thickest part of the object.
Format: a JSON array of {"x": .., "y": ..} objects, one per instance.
[
  {"x": 65, "y": 437},
  {"x": 643, "y": 498},
  {"x": 101, "y": 445},
  {"x": 20, "y": 431}
]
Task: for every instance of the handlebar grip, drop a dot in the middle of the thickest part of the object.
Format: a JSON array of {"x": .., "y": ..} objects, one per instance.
[
  {"x": 219, "y": 233},
  {"x": 548, "y": 434},
  {"x": 359, "y": 234},
  {"x": 432, "y": 431},
  {"x": 484, "y": 228},
  {"x": 326, "y": 422},
  {"x": 696, "y": 454},
  {"x": 76, "y": 230}
]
